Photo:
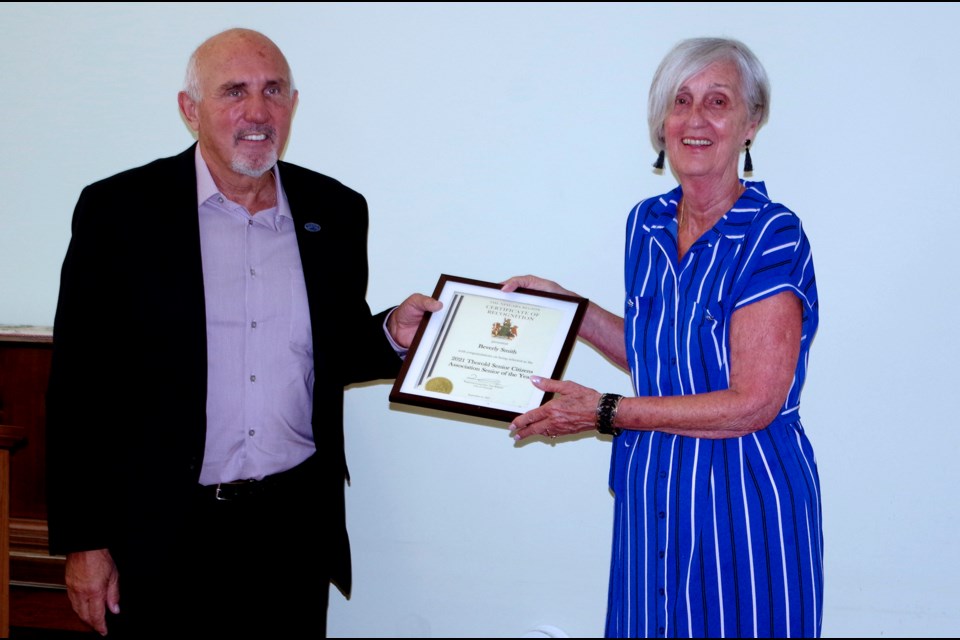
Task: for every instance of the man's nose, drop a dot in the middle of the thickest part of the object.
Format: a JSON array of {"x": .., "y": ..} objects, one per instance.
[{"x": 256, "y": 109}]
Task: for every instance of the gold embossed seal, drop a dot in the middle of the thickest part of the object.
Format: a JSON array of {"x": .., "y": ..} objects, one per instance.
[{"x": 440, "y": 385}]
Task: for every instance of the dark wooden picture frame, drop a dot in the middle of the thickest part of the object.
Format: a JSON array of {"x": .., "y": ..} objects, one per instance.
[{"x": 412, "y": 385}]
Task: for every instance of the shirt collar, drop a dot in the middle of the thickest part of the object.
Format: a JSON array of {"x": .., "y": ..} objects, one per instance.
[{"x": 207, "y": 188}]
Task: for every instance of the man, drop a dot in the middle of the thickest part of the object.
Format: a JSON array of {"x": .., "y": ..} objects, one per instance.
[{"x": 212, "y": 309}]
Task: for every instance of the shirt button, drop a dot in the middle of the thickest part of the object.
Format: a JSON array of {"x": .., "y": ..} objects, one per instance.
[
  {"x": 661, "y": 591},
  {"x": 662, "y": 515},
  {"x": 673, "y": 361},
  {"x": 253, "y": 325},
  {"x": 661, "y": 554},
  {"x": 253, "y": 271},
  {"x": 663, "y": 474},
  {"x": 251, "y": 432},
  {"x": 253, "y": 378}
]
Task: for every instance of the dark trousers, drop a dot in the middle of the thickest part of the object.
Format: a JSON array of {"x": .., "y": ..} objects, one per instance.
[{"x": 252, "y": 566}]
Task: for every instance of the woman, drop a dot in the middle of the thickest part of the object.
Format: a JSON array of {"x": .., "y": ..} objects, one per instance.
[{"x": 717, "y": 526}]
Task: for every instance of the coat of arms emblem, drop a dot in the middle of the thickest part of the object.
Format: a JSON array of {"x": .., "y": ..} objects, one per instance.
[{"x": 506, "y": 329}]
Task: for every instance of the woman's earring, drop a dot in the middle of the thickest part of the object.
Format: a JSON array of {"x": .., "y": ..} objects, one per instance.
[
  {"x": 747, "y": 162},
  {"x": 658, "y": 165}
]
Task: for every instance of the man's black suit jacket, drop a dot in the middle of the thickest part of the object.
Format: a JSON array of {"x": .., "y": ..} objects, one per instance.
[{"x": 126, "y": 407}]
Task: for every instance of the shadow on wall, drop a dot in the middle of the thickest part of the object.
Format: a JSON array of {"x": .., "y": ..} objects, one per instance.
[{"x": 545, "y": 631}]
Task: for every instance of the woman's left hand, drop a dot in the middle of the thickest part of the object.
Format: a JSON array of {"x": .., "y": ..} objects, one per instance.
[{"x": 573, "y": 409}]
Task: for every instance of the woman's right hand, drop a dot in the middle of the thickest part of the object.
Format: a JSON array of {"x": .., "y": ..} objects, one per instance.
[{"x": 535, "y": 283}]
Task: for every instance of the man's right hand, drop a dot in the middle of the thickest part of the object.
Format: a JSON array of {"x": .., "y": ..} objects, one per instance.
[{"x": 93, "y": 587}]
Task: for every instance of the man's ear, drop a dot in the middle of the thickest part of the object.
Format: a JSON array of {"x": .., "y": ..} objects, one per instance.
[{"x": 188, "y": 108}]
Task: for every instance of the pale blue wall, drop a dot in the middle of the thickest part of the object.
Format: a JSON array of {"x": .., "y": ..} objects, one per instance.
[{"x": 500, "y": 139}]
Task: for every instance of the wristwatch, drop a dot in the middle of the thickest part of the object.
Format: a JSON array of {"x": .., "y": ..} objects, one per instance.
[{"x": 607, "y": 413}]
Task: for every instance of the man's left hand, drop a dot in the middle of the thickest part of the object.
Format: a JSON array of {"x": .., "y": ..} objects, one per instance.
[{"x": 403, "y": 322}]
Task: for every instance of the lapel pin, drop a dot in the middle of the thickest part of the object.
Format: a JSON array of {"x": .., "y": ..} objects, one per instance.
[{"x": 312, "y": 227}]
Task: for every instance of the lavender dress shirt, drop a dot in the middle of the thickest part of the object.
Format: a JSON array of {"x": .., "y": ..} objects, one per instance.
[{"x": 260, "y": 352}]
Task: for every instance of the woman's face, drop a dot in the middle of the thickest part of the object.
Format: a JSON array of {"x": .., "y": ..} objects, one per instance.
[{"x": 708, "y": 124}]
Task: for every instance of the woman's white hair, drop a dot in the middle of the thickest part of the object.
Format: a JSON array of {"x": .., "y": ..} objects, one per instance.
[{"x": 690, "y": 57}]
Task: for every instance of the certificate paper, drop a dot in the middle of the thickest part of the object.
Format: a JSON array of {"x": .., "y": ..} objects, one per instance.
[{"x": 477, "y": 354}]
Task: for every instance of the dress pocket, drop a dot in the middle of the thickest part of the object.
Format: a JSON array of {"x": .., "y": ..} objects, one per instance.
[{"x": 703, "y": 342}]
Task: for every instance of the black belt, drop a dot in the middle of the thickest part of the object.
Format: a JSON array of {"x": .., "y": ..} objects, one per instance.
[{"x": 239, "y": 490}]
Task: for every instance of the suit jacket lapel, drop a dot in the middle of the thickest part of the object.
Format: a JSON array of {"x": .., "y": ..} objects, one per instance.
[
  {"x": 309, "y": 219},
  {"x": 309, "y": 208},
  {"x": 187, "y": 269}
]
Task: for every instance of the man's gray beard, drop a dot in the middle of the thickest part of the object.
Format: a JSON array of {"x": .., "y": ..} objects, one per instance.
[{"x": 246, "y": 167}]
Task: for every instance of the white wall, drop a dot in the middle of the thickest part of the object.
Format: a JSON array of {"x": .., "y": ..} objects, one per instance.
[{"x": 493, "y": 140}]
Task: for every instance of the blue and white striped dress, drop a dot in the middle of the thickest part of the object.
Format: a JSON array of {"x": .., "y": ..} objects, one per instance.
[{"x": 713, "y": 537}]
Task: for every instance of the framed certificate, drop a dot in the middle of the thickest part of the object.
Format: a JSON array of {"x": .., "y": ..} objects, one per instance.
[{"x": 476, "y": 355}]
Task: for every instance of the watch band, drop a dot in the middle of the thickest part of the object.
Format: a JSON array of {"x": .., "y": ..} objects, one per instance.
[{"x": 607, "y": 413}]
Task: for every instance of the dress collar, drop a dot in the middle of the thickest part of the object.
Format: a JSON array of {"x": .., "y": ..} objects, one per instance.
[{"x": 732, "y": 225}]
